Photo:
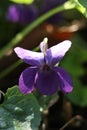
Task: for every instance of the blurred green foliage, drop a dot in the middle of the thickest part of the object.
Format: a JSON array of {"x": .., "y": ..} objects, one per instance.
[
  {"x": 23, "y": 1},
  {"x": 74, "y": 63}
]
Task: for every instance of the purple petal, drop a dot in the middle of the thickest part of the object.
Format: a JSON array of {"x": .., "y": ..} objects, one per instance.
[
  {"x": 66, "y": 84},
  {"x": 28, "y": 13},
  {"x": 26, "y": 80},
  {"x": 47, "y": 82},
  {"x": 56, "y": 53},
  {"x": 13, "y": 13},
  {"x": 30, "y": 57},
  {"x": 41, "y": 46}
]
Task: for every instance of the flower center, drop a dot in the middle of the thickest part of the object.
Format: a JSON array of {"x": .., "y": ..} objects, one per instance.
[{"x": 46, "y": 67}]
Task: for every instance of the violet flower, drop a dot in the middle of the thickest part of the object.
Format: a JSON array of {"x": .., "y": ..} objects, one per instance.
[
  {"x": 43, "y": 73},
  {"x": 22, "y": 13}
]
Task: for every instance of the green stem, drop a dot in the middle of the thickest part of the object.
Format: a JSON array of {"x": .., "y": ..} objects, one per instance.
[
  {"x": 9, "y": 69},
  {"x": 66, "y": 6}
]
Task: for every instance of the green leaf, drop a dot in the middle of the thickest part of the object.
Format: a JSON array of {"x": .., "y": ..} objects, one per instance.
[
  {"x": 79, "y": 94},
  {"x": 23, "y": 1},
  {"x": 19, "y": 112},
  {"x": 83, "y": 3},
  {"x": 81, "y": 6},
  {"x": 46, "y": 101}
]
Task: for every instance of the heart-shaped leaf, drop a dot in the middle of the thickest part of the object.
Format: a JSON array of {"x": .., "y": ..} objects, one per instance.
[{"x": 19, "y": 112}]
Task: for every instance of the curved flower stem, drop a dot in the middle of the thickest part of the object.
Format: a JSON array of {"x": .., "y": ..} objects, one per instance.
[{"x": 66, "y": 6}]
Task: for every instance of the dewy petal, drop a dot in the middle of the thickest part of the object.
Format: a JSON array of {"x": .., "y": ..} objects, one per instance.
[
  {"x": 30, "y": 57},
  {"x": 65, "y": 81},
  {"x": 47, "y": 82},
  {"x": 26, "y": 80},
  {"x": 56, "y": 53}
]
